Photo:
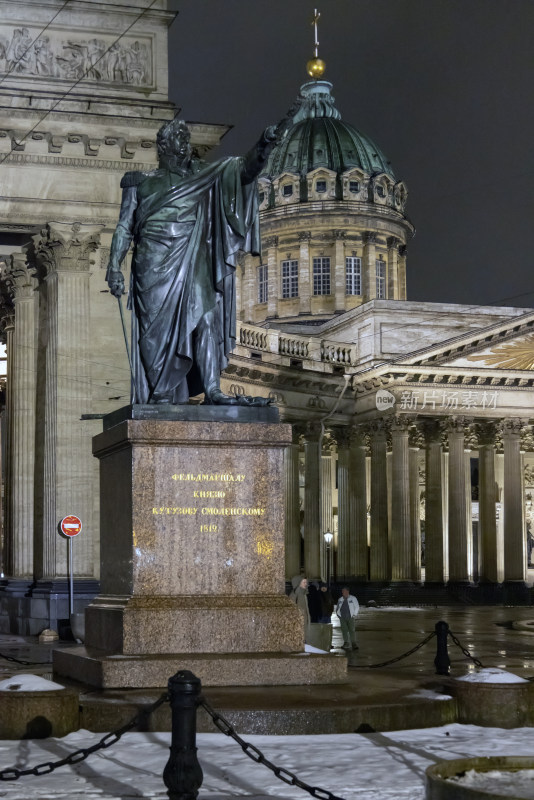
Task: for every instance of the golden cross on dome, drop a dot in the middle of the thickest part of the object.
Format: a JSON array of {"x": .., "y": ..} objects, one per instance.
[
  {"x": 315, "y": 23},
  {"x": 316, "y": 66}
]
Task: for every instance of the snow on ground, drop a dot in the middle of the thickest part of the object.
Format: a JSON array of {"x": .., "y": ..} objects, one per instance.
[
  {"x": 28, "y": 683},
  {"x": 491, "y": 675},
  {"x": 370, "y": 766},
  {"x": 505, "y": 784}
]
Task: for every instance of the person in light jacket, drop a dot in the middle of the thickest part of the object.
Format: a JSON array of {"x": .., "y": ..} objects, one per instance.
[{"x": 347, "y": 609}]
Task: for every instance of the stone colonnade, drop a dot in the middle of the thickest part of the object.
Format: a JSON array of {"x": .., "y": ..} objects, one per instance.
[
  {"x": 395, "y": 473},
  {"x": 46, "y": 321}
]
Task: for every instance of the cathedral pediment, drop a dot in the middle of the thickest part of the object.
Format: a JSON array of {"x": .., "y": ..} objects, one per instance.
[{"x": 506, "y": 346}]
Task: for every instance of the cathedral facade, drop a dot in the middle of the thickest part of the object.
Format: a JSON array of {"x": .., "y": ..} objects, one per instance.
[{"x": 412, "y": 438}]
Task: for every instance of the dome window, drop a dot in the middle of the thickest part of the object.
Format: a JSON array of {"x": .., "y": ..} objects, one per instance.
[
  {"x": 320, "y": 186},
  {"x": 262, "y": 197},
  {"x": 381, "y": 192},
  {"x": 287, "y": 190},
  {"x": 353, "y": 275},
  {"x": 380, "y": 265},
  {"x": 290, "y": 278},
  {"x": 321, "y": 276},
  {"x": 354, "y": 186}
]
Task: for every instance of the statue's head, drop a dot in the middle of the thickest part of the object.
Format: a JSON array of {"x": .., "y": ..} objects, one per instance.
[{"x": 174, "y": 143}]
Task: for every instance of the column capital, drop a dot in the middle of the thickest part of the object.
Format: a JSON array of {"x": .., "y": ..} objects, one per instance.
[
  {"x": 18, "y": 277},
  {"x": 486, "y": 433},
  {"x": 393, "y": 243},
  {"x": 378, "y": 428},
  {"x": 339, "y": 234},
  {"x": 309, "y": 431},
  {"x": 401, "y": 423},
  {"x": 270, "y": 241},
  {"x": 369, "y": 237},
  {"x": 403, "y": 250},
  {"x": 456, "y": 426},
  {"x": 512, "y": 427},
  {"x": 304, "y": 236},
  {"x": 433, "y": 430},
  {"x": 65, "y": 247}
]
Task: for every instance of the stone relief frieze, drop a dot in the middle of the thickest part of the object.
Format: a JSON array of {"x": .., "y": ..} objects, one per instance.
[{"x": 70, "y": 57}]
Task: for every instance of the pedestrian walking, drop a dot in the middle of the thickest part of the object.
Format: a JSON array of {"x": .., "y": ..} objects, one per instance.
[{"x": 347, "y": 609}]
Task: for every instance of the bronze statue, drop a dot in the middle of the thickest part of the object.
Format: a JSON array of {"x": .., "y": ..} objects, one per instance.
[{"x": 188, "y": 221}]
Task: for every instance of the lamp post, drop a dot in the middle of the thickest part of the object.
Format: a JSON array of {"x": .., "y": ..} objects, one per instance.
[{"x": 328, "y": 537}]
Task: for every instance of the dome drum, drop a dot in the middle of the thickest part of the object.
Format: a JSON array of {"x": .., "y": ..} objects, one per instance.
[{"x": 332, "y": 221}]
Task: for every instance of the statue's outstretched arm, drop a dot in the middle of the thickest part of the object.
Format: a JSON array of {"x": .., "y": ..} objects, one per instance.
[
  {"x": 121, "y": 241},
  {"x": 255, "y": 159}
]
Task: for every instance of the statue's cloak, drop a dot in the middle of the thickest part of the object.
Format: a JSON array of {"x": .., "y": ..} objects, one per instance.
[{"x": 187, "y": 240}]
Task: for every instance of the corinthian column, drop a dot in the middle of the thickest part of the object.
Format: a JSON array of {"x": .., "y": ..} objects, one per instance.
[
  {"x": 305, "y": 283},
  {"x": 271, "y": 247},
  {"x": 369, "y": 266},
  {"x": 358, "y": 547},
  {"x": 312, "y": 501},
  {"x": 514, "y": 504},
  {"x": 292, "y": 519},
  {"x": 340, "y": 270},
  {"x": 401, "y": 549},
  {"x": 459, "y": 533},
  {"x": 21, "y": 284},
  {"x": 7, "y": 314},
  {"x": 415, "y": 505},
  {"x": 64, "y": 251},
  {"x": 487, "y": 517},
  {"x": 379, "y": 568},
  {"x": 435, "y": 550}
]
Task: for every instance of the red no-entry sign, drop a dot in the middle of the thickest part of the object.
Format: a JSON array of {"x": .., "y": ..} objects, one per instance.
[{"x": 71, "y": 525}]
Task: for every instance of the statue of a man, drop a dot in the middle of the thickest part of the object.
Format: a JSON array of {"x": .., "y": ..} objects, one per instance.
[{"x": 188, "y": 221}]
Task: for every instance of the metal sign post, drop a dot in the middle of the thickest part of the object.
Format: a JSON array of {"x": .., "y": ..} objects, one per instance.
[{"x": 69, "y": 527}]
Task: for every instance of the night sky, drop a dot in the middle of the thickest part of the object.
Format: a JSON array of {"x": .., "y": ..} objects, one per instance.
[{"x": 444, "y": 87}]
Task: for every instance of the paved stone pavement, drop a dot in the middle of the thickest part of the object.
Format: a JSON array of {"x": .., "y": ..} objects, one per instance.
[{"x": 386, "y": 698}]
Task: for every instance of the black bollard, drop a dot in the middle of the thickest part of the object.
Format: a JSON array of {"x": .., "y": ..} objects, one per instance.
[
  {"x": 442, "y": 661},
  {"x": 183, "y": 774}
]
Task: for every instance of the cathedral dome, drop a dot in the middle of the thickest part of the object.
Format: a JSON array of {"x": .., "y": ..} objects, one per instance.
[{"x": 318, "y": 137}]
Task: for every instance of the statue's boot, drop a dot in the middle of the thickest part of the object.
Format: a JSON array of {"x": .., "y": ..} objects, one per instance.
[
  {"x": 161, "y": 398},
  {"x": 207, "y": 360}
]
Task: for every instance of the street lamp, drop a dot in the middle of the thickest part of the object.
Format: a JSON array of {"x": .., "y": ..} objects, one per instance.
[{"x": 328, "y": 537}]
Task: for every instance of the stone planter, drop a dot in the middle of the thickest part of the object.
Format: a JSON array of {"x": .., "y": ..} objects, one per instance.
[
  {"x": 438, "y": 787},
  {"x": 494, "y": 705}
]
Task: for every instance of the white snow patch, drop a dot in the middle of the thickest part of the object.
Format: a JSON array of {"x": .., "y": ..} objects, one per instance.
[
  {"x": 513, "y": 783},
  {"x": 491, "y": 675},
  {"x": 370, "y": 766},
  {"x": 393, "y": 608},
  {"x": 28, "y": 683},
  {"x": 309, "y": 648},
  {"x": 428, "y": 694}
]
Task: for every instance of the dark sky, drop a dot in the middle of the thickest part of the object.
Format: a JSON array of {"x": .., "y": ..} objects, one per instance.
[{"x": 444, "y": 87}]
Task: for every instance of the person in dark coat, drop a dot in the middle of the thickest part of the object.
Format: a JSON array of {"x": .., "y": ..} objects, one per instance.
[
  {"x": 314, "y": 602},
  {"x": 327, "y": 603}
]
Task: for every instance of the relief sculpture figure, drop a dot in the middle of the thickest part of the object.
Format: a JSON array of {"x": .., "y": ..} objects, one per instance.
[{"x": 188, "y": 221}]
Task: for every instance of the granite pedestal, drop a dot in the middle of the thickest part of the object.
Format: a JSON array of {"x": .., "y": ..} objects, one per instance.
[{"x": 192, "y": 559}]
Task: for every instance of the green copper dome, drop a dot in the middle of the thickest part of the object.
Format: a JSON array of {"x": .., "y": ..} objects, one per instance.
[{"x": 319, "y": 138}]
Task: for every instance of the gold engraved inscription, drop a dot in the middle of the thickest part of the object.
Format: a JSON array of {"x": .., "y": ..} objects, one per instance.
[
  {"x": 210, "y": 494},
  {"x": 207, "y": 477},
  {"x": 174, "y": 511}
]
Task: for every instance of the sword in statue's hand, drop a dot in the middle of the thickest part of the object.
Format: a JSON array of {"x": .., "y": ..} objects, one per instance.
[{"x": 116, "y": 287}]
